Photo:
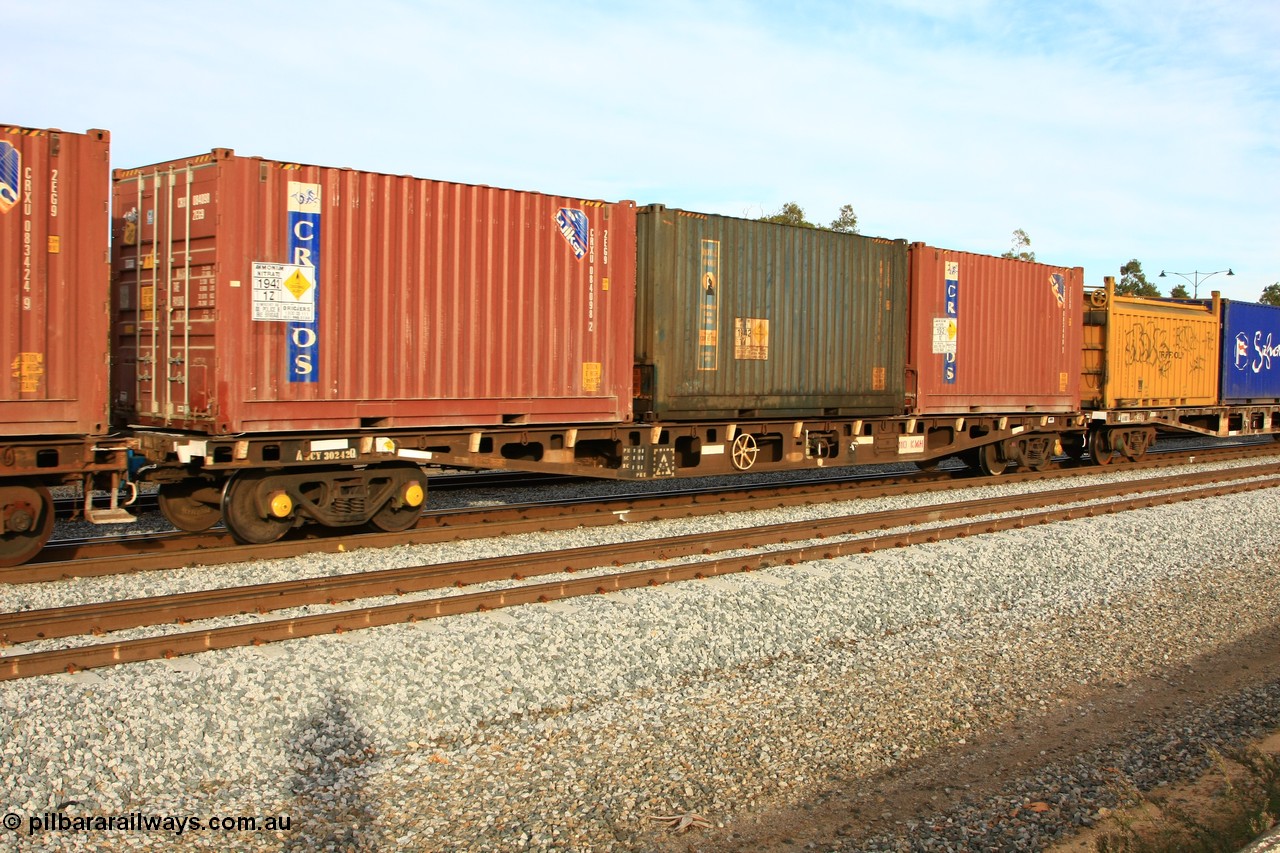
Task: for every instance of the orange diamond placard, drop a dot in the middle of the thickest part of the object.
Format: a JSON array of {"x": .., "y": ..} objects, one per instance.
[{"x": 297, "y": 284}]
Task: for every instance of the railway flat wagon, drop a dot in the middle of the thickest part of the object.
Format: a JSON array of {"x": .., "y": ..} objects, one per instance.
[
  {"x": 258, "y": 295},
  {"x": 1250, "y": 353},
  {"x": 54, "y": 329},
  {"x": 992, "y": 334},
  {"x": 744, "y": 319},
  {"x": 1148, "y": 363},
  {"x": 293, "y": 336}
]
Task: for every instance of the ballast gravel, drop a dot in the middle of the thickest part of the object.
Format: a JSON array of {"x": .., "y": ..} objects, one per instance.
[{"x": 571, "y": 726}]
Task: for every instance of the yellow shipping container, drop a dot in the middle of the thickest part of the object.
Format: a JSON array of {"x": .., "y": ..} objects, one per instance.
[{"x": 1148, "y": 353}]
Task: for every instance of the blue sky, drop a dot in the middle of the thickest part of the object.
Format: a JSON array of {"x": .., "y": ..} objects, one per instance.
[{"x": 1107, "y": 131}]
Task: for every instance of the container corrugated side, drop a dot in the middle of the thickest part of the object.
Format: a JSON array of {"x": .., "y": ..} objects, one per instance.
[
  {"x": 54, "y": 231},
  {"x": 740, "y": 318},
  {"x": 993, "y": 334},
  {"x": 439, "y": 304},
  {"x": 1148, "y": 353},
  {"x": 1250, "y": 353}
]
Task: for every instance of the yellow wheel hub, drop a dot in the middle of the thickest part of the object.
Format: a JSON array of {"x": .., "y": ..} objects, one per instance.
[{"x": 281, "y": 505}]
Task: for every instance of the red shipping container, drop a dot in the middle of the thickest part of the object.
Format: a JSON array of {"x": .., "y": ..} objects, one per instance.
[
  {"x": 256, "y": 295},
  {"x": 54, "y": 231},
  {"x": 992, "y": 334}
]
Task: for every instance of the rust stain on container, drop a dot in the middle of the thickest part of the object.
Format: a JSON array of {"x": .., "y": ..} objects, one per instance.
[
  {"x": 255, "y": 294},
  {"x": 993, "y": 334},
  {"x": 54, "y": 193}
]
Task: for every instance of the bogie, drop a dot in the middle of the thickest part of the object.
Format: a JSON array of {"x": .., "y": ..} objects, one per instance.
[{"x": 260, "y": 507}]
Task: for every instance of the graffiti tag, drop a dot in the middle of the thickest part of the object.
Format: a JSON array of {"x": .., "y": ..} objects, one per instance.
[{"x": 1148, "y": 343}]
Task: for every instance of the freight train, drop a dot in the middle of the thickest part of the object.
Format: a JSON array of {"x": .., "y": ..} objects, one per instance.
[{"x": 274, "y": 344}]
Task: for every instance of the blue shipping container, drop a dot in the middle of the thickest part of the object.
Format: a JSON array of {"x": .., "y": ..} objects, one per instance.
[{"x": 1250, "y": 353}]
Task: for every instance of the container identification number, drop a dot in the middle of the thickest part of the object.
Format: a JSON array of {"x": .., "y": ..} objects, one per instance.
[{"x": 26, "y": 239}]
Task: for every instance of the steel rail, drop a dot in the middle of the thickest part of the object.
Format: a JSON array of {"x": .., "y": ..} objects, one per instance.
[
  {"x": 81, "y": 619},
  {"x": 101, "y": 617},
  {"x": 132, "y": 651},
  {"x": 154, "y": 551}
]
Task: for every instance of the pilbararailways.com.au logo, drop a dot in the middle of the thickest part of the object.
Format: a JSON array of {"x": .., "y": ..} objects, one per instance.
[{"x": 61, "y": 822}]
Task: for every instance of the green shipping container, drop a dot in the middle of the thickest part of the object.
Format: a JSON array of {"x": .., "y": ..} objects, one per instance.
[{"x": 738, "y": 318}]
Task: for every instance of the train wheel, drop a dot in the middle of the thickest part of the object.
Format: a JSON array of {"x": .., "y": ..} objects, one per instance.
[
  {"x": 191, "y": 505},
  {"x": 1098, "y": 448},
  {"x": 253, "y": 516},
  {"x": 745, "y": 451},
  {"x": 1073, "y": 444},
  {"x": 27, "y": 511},
  {"x": 404, "y": 509},
  {"x": 989, "y": 461}
]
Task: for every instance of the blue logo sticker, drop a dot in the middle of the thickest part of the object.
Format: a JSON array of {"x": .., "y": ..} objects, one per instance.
[
  {"x": 1058, "y": 285},
  {"x": 949, "y": 365},
  {"x": 304, "y": 249},
  {"x": 10, "y": 172},
  {"x": 576, "y": 229}
]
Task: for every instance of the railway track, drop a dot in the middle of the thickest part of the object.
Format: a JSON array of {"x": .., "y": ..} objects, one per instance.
[
  {"x": 1022, "y": 510},
  {"x": 147, "y": 552}
]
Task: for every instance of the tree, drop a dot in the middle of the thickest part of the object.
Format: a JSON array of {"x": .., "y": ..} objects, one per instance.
[
  {"x": 1179, "y": 292},
  {"x": 789, "y": 214},
  {"x": 792, "y": 213},
  {"x": 1133, "y": 282},
  {"x": 1021, "y": 245},
  {"x": 847, "y": 221},
  {"x": 1271, "y": 294}
]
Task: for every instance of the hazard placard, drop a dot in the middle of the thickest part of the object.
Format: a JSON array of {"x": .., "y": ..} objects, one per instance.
[
  {"x": 284, "y": 293},
  {"x": 944, "y": 335}
]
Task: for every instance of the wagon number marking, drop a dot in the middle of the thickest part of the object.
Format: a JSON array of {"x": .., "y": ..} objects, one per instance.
[{"x": 328, "y": 455}]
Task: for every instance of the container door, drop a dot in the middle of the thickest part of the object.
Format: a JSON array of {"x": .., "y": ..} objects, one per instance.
[{"x": 165, "y": 291}]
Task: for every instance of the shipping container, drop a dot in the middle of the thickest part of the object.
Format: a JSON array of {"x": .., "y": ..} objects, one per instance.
[
  {"x": 1250, "y": 353},
  {"x": 1148, "y": 353},
  {"x": 992, "y": 334},
  {"x": 54, "y": 230},
  {"x": 260, "y": 295},
  {"x": 739, "y": 318}
]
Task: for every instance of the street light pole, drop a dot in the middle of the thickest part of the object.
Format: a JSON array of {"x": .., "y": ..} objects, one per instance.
[{"x": 1199, "y": 277}]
